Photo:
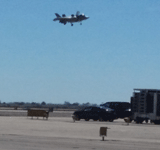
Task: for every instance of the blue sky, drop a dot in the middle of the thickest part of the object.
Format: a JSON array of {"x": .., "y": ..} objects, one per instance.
[{"x": 116, "y": 50}]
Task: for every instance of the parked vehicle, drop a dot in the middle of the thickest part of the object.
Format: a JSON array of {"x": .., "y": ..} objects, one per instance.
[
  {"x": 119, "y": 109},
  {"x": 95, "y": 113}
]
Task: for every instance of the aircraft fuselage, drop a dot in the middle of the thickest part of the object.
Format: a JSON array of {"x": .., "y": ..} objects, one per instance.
[{"x": 71, "y": 19}]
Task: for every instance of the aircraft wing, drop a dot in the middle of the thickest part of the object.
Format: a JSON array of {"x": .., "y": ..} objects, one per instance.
[{"x": 68, "y": 19}]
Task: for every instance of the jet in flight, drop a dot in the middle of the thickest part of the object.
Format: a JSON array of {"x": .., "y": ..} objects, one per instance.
[{"x": 71, "y": 19}]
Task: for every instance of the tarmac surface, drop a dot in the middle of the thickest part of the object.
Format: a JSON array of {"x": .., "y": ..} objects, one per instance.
[
  {"x": 61, "y": 133},
  {"x": 24, "y": 113}
]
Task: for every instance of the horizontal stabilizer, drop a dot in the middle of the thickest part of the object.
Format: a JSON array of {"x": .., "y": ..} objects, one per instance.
[{"x": 58, "y": 16}]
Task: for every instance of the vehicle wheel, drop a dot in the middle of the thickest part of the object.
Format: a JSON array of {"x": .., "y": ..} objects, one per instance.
[
  {"x": 128, "y": 120},
  {"x": 95, "y": 119},
  {"x": 146, "y": 120},
  {"x": 156, "y": 122},
  {"x": 139, "y": 120},
  {"x": 111, "y": 120},
  {"x": 77, "y": 118},
  {"x": 100, "y": 119},
  {"x": 86, "y": 119}
]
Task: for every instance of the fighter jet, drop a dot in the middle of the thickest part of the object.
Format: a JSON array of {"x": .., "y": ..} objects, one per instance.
[{"x": 71, "y": 19}]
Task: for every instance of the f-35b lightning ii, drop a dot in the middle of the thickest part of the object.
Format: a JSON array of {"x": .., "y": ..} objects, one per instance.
[{"x": 71, "y": 19}]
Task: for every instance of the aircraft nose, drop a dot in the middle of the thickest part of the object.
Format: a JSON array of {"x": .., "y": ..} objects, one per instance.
[{"x": 87, "y": 18}]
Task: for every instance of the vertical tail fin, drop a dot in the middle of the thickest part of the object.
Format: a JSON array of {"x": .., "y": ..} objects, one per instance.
[{"x": 58, "y": 16}]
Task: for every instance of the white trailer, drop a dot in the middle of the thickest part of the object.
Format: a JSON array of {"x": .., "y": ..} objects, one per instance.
[{"x": 145, "y": 105}]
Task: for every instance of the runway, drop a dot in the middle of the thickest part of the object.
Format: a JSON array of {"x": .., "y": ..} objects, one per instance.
[{"x": 61, "y": 133}]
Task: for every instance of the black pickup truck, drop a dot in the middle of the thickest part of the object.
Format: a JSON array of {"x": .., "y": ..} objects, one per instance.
[
  {"x": 95, "y": 113},
  {"x": 119, "y": 109}
]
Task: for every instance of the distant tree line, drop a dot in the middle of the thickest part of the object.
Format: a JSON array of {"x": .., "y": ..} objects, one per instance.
[{"x": 28, "y": 105}]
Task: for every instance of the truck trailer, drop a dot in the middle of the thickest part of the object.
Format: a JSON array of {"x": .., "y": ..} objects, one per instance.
[{"x": 145, "y": 105}]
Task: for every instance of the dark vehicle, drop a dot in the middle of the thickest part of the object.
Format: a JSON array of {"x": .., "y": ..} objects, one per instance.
[
  {"x": 120, "y": 109},
  {"x": 95, "y": 113}
]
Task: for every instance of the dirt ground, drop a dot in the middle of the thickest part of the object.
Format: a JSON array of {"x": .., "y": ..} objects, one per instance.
[{"x": 61, "y": 133}]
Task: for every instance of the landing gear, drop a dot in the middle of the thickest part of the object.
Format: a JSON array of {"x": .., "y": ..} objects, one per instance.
[
  {"x": 71, "y": 24},
  {"x": 80, "y": 23}
]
